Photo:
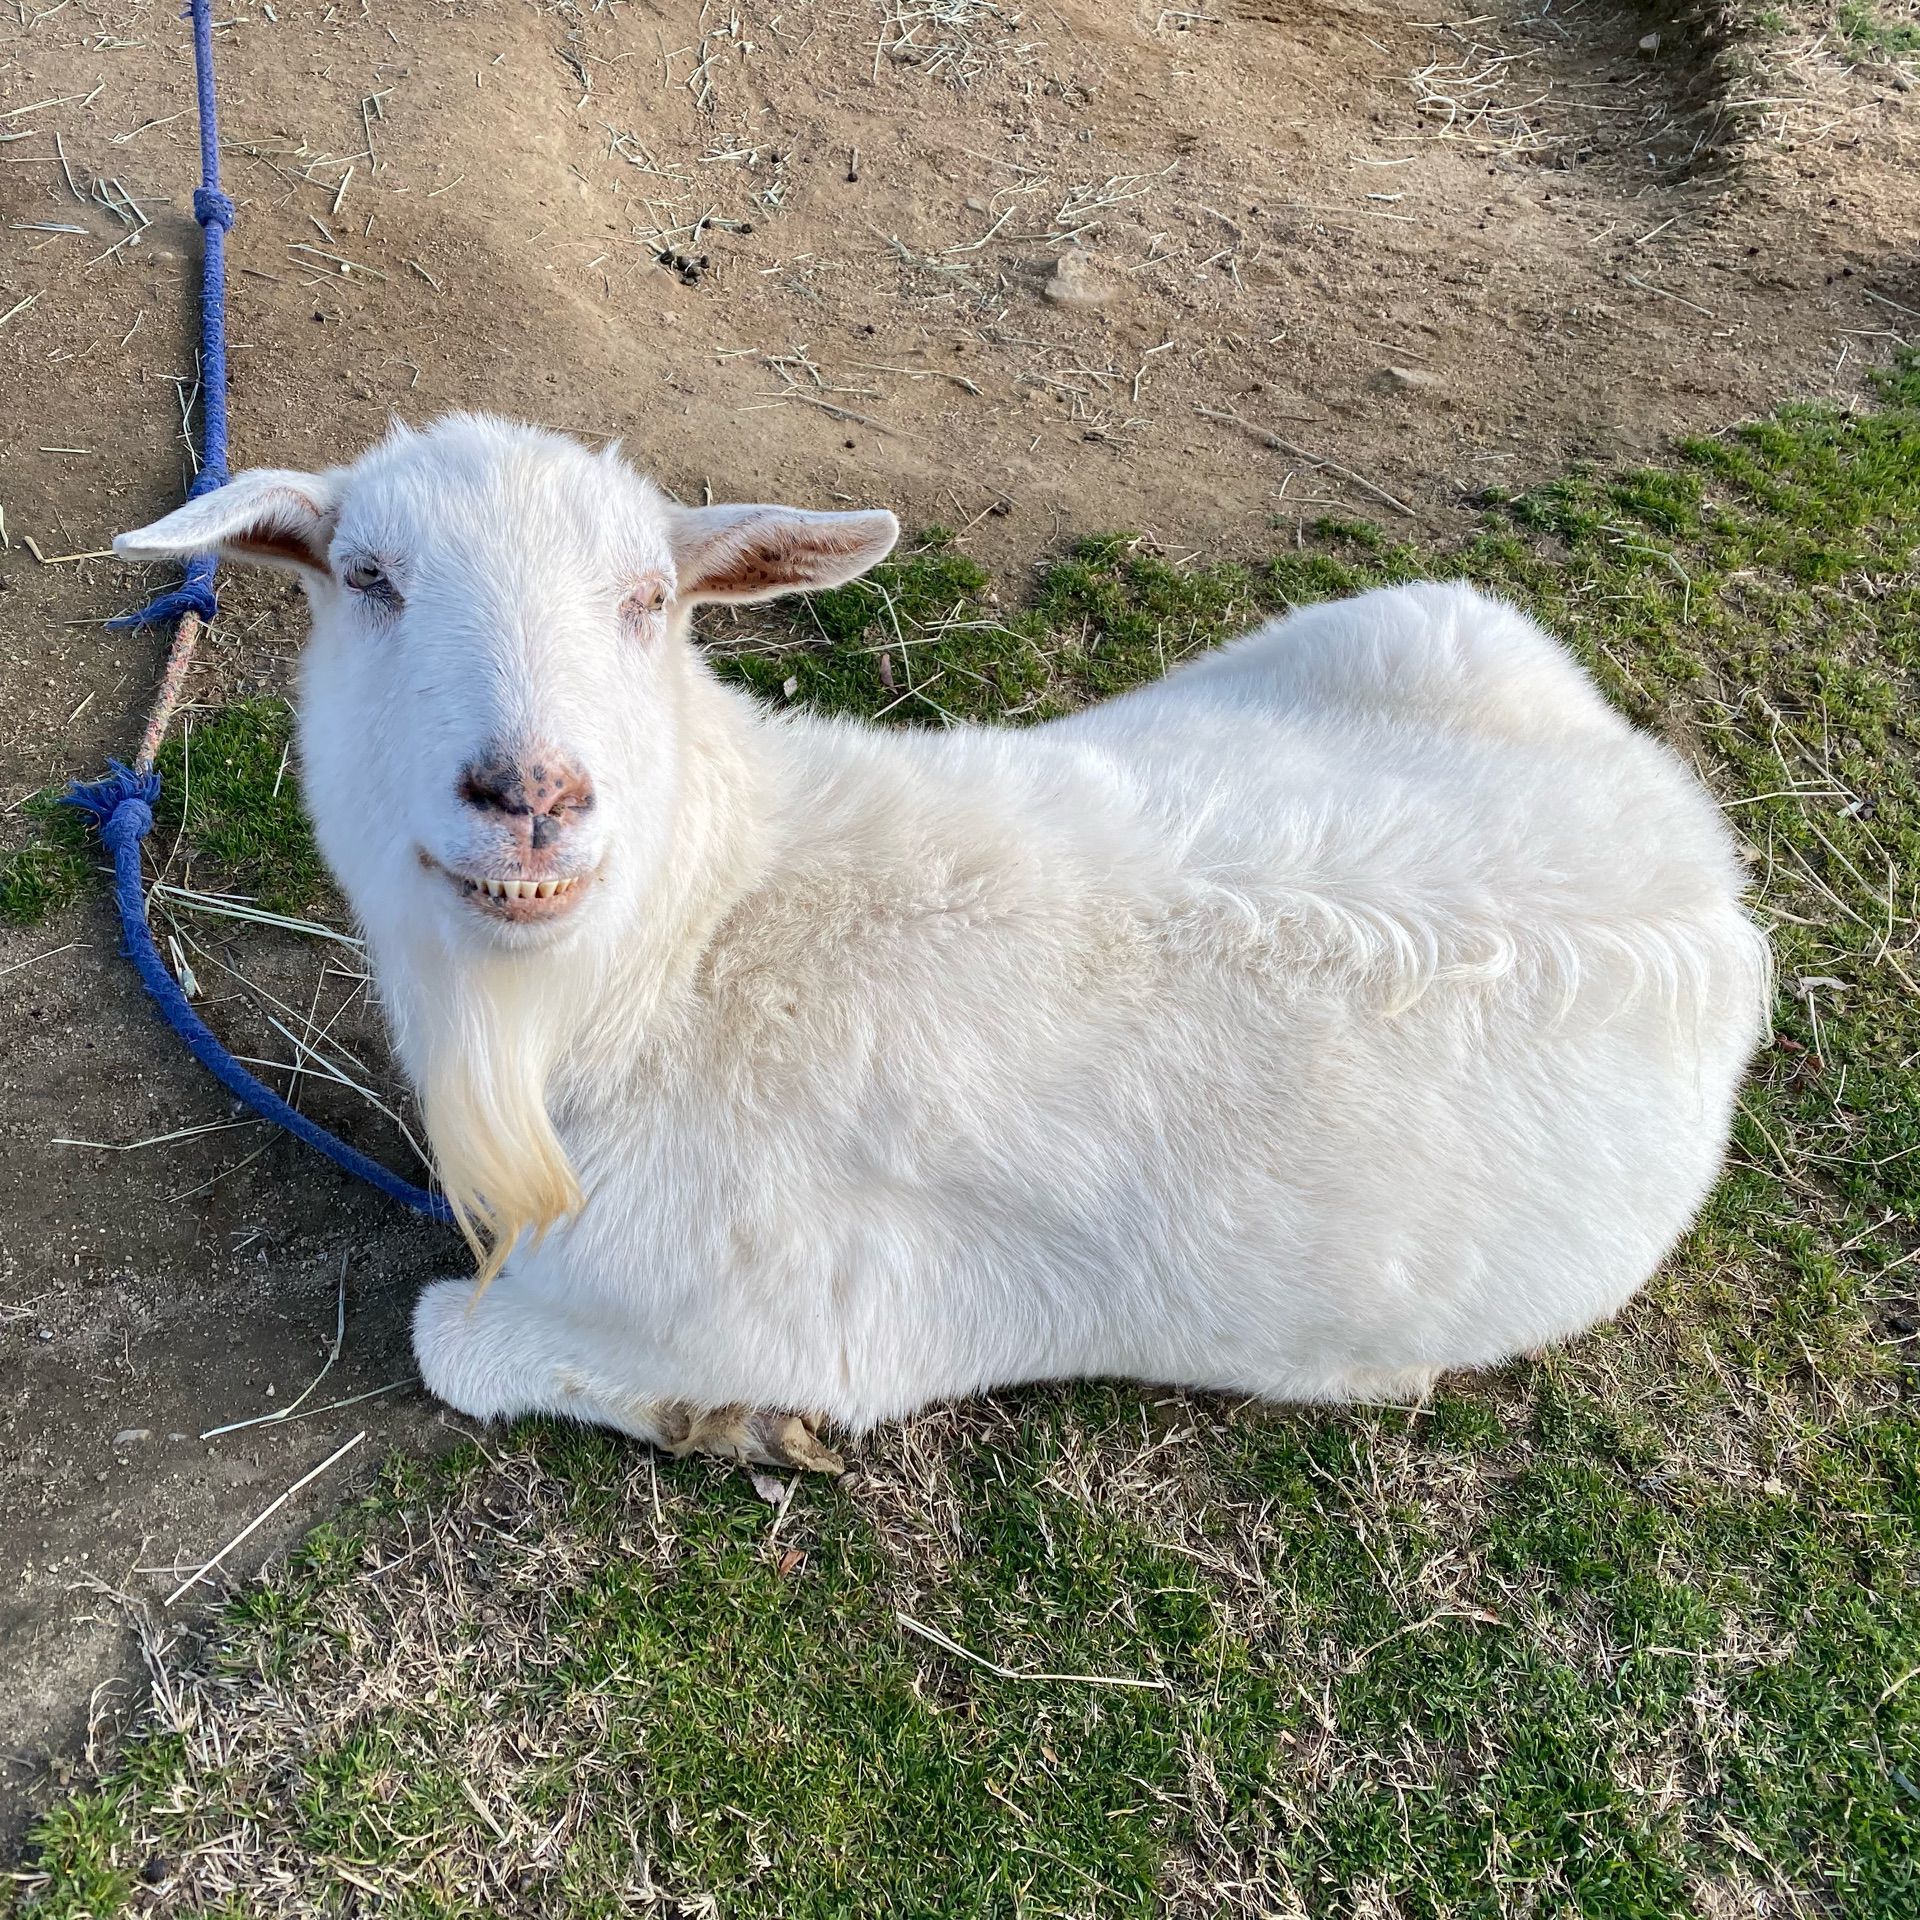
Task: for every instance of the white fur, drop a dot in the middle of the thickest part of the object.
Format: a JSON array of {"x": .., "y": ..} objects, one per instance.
[{"x": 1363, "y": 1000}]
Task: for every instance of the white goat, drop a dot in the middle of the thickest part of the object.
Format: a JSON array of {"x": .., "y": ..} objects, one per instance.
[{"x": 1363, "y": 1000}]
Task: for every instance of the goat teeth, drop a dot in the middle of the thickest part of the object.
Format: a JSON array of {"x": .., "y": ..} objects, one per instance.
[{"x": 523, "y": 889}]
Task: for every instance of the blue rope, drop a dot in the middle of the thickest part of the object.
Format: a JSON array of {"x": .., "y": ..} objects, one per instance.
[
  {"x": 214, "y": 211},
  {"x": 121, "y": 805}
]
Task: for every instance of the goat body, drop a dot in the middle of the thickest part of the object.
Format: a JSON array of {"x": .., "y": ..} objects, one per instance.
[{"x": 1362, "y": 1000}]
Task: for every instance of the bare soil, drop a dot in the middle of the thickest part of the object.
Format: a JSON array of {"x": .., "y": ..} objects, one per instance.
[{"x": 998, "y": 268}]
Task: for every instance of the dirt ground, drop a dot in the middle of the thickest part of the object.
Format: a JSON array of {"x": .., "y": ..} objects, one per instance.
[{"x": 998, "y": 268}]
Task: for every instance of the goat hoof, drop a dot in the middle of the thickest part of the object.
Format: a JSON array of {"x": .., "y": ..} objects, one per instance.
[
  {"x": 752, "y": 1439},
  {"x": 797, "y": 1442}
]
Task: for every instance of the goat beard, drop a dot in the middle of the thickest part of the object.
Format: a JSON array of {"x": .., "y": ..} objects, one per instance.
[{"x": 483, "y": 1038}]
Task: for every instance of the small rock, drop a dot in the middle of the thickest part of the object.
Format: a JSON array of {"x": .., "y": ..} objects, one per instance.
[
  {"x": 1650, "y": 43},
  {"x": 1078, "y": 282},
  {"x": 131, "y": 1436},
  {"x": 1409, "y": 379}
]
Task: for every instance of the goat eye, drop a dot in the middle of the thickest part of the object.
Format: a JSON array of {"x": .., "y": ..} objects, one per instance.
[
  {"x": 650, "y": 599},
  {"x": 365, "y": 576}
]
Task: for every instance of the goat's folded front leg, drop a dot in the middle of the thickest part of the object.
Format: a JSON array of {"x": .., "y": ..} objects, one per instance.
[
  {"x": 760, "y": 1440},
  {"x": 499, "y": 1352}
]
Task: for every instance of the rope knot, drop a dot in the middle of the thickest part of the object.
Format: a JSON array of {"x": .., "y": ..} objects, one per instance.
[
  {"x": 120, "y": 806},
  {"x": 212, "y": 208},
  {"x": 191, "y": 596}
]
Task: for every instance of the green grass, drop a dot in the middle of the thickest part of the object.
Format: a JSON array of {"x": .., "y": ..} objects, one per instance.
[
  {"x": 1628, "y": 1631},
  {"x": 1892, "y": 32},
  {"x": 48, "y": 871},
  {"x": 230, "y": 786}
]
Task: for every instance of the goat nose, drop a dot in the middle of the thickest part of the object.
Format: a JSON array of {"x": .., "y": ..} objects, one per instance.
[{"x": 540, "y": 786}]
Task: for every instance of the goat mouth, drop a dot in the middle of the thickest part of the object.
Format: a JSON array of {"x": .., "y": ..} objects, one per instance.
[{"x": 518, "y": 901}]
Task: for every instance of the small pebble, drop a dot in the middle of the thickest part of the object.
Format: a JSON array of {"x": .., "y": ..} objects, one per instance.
[{"x": 1078, "y": 282}]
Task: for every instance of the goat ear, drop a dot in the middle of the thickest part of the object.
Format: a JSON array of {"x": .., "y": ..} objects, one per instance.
[
  {"x": 754, "y": 553},
  {"x": 269, "y": 515}
]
